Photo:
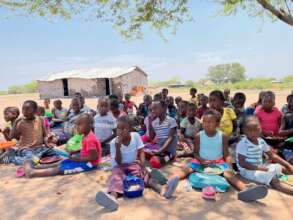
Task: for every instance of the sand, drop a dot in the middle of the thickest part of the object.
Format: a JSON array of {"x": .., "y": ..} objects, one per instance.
[{"x": 73, "y": 197}]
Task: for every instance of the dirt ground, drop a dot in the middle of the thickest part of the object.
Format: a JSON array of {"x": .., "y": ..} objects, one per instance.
[{"x": 72, "y": 197}]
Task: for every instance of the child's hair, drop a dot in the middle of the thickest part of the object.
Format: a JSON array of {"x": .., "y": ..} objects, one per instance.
[
  {"x": 165, "y": 90},
  {"x": 163, "y": 104},
  {"x": 89, "y": 118},
  {"x": 158, "y": 97},
  {"x": 193, "y": 90},
  {"x": 12, "y": 109},
  {"x": 32, "y": 104},
  {"x": 114, "y": 104},
  {"x": 76, "y": 99},
  {"x": 192, "y": 105},
  {"x": 77, "y": 94},
  {"x": 240, "y": 96},
  {"x": 127, "y": 95},
  {"x": 260, "y": 95},
  {"x": 289, "y": 98},
  {"x": 178, "y": 98},
  {"x": 57, "y": 101},
  {"x": 41, "y": 110},
  {"x": 184, "y": 102},
  {"x": 126, "y": 120},
  {"x": 251, "y": 121},
  {"x": 213, "y": 113},
  {"x": 47, "y": 100},
  {"x": 113, "y": 96},
  {"x": 219, "y": 94},
  {"x": 269, "y": 94}
]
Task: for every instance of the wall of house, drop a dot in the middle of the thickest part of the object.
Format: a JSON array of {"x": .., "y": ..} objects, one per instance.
[
  {"x": 50, "y": 89},
  {"x": 87, "y": 87}
]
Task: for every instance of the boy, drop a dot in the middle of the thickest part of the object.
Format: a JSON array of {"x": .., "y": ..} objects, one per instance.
[
  {"x": 192, "y": 93},
  {"x": 129, "y": 105},
  {"x": 59, "y": 112},
  {"x": 143, "y": 109},
  {"x": 90, "y": 154},
  {"x": 238, "y": 104},
  {"x": 11, "y": 115},
  {"x": 171, "y": 110},
  {"x": 227, "y": 97},
  {"x": 105, "y": 126},
  {"x": 164, "y": 93},
  {"x": 203, "y": 106}
]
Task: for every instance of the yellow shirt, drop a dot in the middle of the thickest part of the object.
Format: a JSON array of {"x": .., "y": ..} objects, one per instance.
[{"x": 226, "y": 123}]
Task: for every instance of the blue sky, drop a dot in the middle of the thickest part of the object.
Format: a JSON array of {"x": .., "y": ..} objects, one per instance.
[{"x": 32, "y": 47}]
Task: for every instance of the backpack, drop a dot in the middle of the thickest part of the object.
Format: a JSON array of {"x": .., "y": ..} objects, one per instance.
[{"x": 202, "y": 180}]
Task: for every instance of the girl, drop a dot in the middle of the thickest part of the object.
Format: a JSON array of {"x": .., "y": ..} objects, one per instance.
[
  {"x": 11, "y": 115},
  {"x": 125, "y": 150},
  {"x": 250, "y": 151},
  {"x": 164, "y": 128},
  {"x": 203, "y": 106},
  {"x": 143, "y": 109},
  {"x": 171, "y": 110},
  {"x": 114, "y": 108},
  {"x": 90, "y": 154},
  {"x": 75, "y": 111},
  {"x": 48, "y": 112},
  {"x": 59, "y": 113},
  {"x": 211, "y": 147},
  {"x": 128, "y": 105},
  {"x": 228, "y": 122},
  {"x": 41, "y": 113}
]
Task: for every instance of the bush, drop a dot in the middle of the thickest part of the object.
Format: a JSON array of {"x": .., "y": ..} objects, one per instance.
[{"x": 31, "y": 87}]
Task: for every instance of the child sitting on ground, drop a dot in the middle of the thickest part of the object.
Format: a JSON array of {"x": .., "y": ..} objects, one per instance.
[
  {"x": 75, "y": 111},
  {"x": 203, "y": 106},
  {"x": 193, "y": 98},
  {"x": 171, "y": 109},
  {"x": 48, "y": 111},
  {"x": 250, "y": 151},
  {"x": 105, "y": 126},
  {"x": 178, "y": 99},
  {"x": 143, "y": 109},
  {"x": 238, "y": 104},
  {"x": 129, "y": 105},
  {"x": 114, "y": 108},
  {"x": 164, "y": 93},
  {"x": 189, "y": 127},
  {"x": 286, "y": 130},
  {"x": 59, "y": 112},
  {"x": 128, "y": 159},
  {"x": 269, "y": 116},
  {"x": 90, "y": 154},
  {"x": 11, "y": 115},
  {"x": 211, "y": 147},
  {"x": 182, "y": 111},
  {"x": 41, "y": 113},
  {"x": 164, "y": 128}
]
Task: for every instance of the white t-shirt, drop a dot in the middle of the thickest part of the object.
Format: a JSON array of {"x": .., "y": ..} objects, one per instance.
[
  {"x": 162, "y": 130},
  {"x": 128, "y": 153},
  {"x": 252, "y": 152},
  {"x": 104, "y": 126}
]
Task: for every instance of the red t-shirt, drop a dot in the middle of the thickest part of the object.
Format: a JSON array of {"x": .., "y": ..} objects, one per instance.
[
  {"x": 90, "y": 142},
  {"x": 269, "y": 121},
  {"x": 128, "y": 106},
  {"x": 200, "y": 111}
]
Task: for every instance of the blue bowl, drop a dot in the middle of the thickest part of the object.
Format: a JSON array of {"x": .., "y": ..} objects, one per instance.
[{"x": 130, "y": 181}]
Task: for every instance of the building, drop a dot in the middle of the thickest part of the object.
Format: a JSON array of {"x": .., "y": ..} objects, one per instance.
[{"x": 95, "y": 82}]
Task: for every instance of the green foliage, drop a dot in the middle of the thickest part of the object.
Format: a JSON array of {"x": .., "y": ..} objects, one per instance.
[
  {"x": 166, "y": 83},
  {"x": 225, "y": 73},
  {"x": 31, "y": 87}
]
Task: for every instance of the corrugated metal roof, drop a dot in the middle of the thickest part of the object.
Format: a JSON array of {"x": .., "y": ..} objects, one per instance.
[{"x": 92, "y": 73}]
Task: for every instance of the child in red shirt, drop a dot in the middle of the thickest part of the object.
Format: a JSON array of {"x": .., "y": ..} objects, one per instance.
[
  {"x": 129, "y": 105},
  {"x": 90, "y": 154}
]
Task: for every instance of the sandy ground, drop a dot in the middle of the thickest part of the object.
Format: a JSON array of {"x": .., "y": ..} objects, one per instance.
[{"x": 72, "y": 197}]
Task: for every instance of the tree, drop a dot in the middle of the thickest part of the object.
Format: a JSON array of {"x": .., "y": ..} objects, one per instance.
[
  {"x": 226, "y": 73},
  {"x": 129, "y": 17}
]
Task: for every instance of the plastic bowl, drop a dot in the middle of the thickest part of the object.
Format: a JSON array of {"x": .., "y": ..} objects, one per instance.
[{"x": 131, "y": 181}]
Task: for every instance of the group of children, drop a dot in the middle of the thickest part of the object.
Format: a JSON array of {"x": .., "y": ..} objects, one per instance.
[{"x": 214, "y": 129}]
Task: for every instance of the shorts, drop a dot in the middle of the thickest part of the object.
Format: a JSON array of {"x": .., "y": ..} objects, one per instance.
[
  {"x": 71, "y": 167},
  {"x": 196, "y": 166},
  {"x": 288, "y": 154},
  {"x": 275, "y": 171}
]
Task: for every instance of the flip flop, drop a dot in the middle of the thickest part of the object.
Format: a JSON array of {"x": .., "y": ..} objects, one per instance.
[
  {"x": 159, "y": 176},
  {"x": 107, "y": 201},
  {"x": 20, "y": 172},
  {"x": 253, "y": 193},
  {"x": 172, "y": 185},
  {"x": 209, "y": 193}
]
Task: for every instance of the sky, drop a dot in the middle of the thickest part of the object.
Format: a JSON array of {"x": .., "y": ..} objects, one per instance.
[{"x": 32, "y": 48}]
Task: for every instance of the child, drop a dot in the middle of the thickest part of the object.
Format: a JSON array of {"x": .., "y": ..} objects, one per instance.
[
  {"x": 90, "y": 154},
  {"x": 75, "y": 111},
  {"x": 128, "y": 159},
  {"x": 178, "y": 99},
  {"x": 228, "y": 117},
  {"x": 59, "y": 112},
  {"x": 203, "y": 106},
  {"x": 285, "y": 106},
  {"x": 31, "y": 135},
  {"x": 250, "y": 151},
  {"x": 164, "y": 93},
  {"x": 48, "y": 112},
  {"x": 192, "y": 93},
  {"x": 143, "y": 109},
  {"x": 129, "y": 105},
  {"x": 41, "y": 113},
  {"x": 238, "y": 104},
  {"x": 269, "y": 116},
  {"x": 114, "y": 108},
  {"x": 189, "y": 127},
  {"x": 227, "y": 97},
  {"x": 164, "y": 128},
  {"x": 211, "y": 147},
  {"x": 151, "y": 116},
  {"x": 158, "y": 97},
  {"x": 286, "y": 130},
  {"x": 11, "y": 115},
  {"x": 182, "y": 111},
  {"x": 105, "y": 126},
  {"x": 171, "y": 110}
]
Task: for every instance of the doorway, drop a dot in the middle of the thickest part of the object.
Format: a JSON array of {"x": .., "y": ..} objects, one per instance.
[
  {"x": 108, "y": 86},
  {"x": 65, "y": 87}
]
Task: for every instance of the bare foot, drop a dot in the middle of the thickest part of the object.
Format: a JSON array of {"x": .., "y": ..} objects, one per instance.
[{"x": 28, "y": 169}]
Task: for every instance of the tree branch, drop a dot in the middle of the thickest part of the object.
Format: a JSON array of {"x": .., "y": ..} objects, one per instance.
[{"x": 282, "y": 15}]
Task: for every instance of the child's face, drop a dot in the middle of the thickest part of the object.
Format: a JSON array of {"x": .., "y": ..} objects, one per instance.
[
  {"x": 57, "y": 105},
  {"x": 46, "y": 103},
  {"x": 238, "y": 103},
  {"x": 127, "y": 97},
  {"x": 182, "y": 108},
  {"x": 215, "y": 103},
  {"x": 226, "y": 93},
  {"x": 123, "y": 129},
  {"x": 268, "y": 103},
  {"x": 290, "y": 105},
  {"x": 83, "y": 126},
  {"x": 204, "y": 100},
  {"x": 165, "y": 92},
  {"x": 157, "y": 110},
  {"x": 209, "y": 123},
  {"x": 178, "y": 100},
  {"x": 103, "y": 108},
  {"x": 75, "y": 105},
  {"x": 191, "y": 112},
  {"x": 147, "y": 101},
  {"x": 28, "y": 111},
  {"x": 40, "y": 112},
  {"x": 252, "y": 132},
  {"x": 10, "y": 116},
  {"x": 192, "y": 92}
]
